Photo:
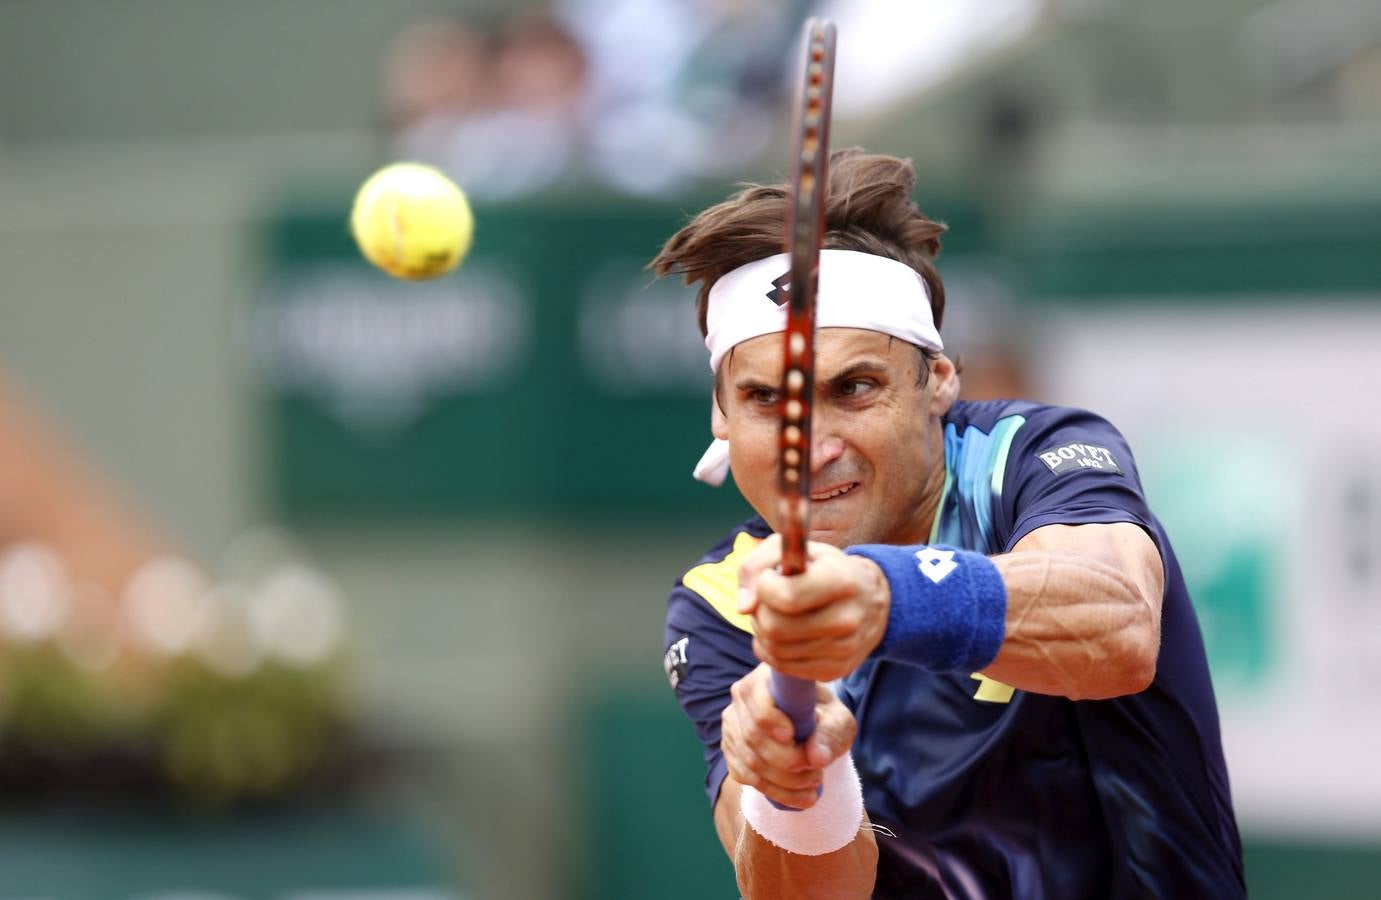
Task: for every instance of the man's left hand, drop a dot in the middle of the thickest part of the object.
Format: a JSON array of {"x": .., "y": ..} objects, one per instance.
[{"x": 818, "y": 625}]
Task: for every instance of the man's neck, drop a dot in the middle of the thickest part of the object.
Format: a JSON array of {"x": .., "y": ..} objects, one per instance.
[{"x": 921, "y": 526}]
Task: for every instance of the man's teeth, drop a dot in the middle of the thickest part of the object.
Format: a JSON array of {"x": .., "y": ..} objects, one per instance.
[{"x": 830, "y": 495}]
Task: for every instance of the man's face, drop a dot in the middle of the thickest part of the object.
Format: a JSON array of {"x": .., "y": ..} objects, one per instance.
[{"x": 877, "y": 451}]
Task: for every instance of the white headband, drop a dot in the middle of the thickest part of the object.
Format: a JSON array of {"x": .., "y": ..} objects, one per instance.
[{"x": 855, "y": 290}]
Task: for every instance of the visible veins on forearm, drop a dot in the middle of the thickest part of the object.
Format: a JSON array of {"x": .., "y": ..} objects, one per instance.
[{"x": 1076, "y": 626}]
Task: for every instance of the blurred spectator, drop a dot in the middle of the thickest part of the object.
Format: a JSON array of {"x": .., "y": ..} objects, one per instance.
[
  {"x": 993, "y": 339},
  {"x": 682, "y": 90},
  {"x": 500, "y": 113},
  {"x": 645, "y": 96},
  {"x": 437, "y": 67}
]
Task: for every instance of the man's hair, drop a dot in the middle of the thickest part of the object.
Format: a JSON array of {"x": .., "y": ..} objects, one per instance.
[{"x": 868, "y": 208}]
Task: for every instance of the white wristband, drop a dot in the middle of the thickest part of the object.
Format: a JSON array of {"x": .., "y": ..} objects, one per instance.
[{"x": 830, "y": 824}]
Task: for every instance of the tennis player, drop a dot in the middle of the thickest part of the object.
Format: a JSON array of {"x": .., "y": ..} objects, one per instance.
[{"x": 1013, "y": 699}]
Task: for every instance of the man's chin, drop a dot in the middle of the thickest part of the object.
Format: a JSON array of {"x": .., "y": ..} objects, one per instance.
[
  {"x": 841, "y": 541},
  {"x": 840, "y": 535},
  {"x": 838, "y": 530}
]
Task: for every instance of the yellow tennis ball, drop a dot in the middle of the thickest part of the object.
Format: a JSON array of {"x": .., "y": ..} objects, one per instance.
[{"x": 412, "y": 221}]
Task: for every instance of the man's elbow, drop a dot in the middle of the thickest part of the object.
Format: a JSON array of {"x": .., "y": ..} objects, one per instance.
[
  {"x": 1127, "y": 664},
  {"x": 1138, "y": 651},
  {"x": 1134, "y": 648},
  {"x": 1141, "y": 667}
]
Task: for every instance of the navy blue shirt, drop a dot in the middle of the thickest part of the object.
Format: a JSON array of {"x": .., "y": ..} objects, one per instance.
[{"x": 994, "y": 792}]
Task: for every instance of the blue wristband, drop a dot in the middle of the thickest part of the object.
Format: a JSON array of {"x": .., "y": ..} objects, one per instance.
[{"x": 949, "y": 607}]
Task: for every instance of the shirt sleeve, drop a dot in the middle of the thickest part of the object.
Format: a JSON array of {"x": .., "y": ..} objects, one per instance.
[
  {"x": 705, "y": 655},
  {"x": 1071, "y": 467}
]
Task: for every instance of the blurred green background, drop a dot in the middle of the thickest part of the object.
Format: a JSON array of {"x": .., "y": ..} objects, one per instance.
[{"x": 1169, "y": 213}]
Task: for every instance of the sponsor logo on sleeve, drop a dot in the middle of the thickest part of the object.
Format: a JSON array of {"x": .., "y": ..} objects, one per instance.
[
  {"x": 675, "y": 663},
  {"x": 1077, "y": 457}
]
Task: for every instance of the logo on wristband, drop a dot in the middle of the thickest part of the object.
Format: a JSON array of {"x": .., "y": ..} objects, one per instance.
[{"x": 935, "y": 563}]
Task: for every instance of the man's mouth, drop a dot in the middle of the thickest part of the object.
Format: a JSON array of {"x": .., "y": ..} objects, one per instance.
[{"x": 833, "y": 493}]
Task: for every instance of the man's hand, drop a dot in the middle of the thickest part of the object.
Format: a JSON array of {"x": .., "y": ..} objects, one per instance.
[
  {"x": 819, "y": 625},
  {"x": 761, "y": 751}
]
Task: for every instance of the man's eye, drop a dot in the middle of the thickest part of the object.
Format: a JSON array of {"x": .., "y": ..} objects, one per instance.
[
  {"x": 763, "y": 395},
  {"x": 856, "y": 387}
]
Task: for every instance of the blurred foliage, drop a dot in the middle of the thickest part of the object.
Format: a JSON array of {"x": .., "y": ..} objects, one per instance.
[
  {"x": 223, "y": 737},
  {"x": 178, "y": 728}
]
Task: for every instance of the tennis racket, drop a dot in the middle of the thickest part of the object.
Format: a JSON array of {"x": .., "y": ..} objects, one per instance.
[{"x": 804, "y": 233}]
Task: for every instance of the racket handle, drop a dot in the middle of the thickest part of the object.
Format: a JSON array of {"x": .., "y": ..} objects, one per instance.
[{"x": 796, "y": 698}]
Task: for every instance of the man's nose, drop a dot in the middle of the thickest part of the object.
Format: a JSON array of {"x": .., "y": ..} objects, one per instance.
[{"x": 824, "y": 449}]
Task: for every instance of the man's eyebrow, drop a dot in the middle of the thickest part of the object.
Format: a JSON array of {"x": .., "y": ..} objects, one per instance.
[
  {"x": 853, "y": 370},
  {"x": 751, "y": 383}
]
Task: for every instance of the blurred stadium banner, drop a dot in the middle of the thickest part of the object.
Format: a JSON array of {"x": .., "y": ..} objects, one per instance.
[{"x": 550, "y": 375}]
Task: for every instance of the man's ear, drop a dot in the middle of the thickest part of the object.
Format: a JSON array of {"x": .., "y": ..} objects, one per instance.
[
  {"x": 719, "y": 424},
  {"x": 944, "y": 380}
]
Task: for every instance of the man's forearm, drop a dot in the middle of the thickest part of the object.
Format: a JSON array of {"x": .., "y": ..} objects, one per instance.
[
  {"x": 1084, "y": 625},
  {"x": 767, "y": 872}
]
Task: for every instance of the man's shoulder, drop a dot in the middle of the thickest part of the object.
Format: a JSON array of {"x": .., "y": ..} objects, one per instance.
[
  {"x": 985, "y": 415},
  {"x": 1025, "y": 425},
  {"x": 714, "y": 579},
  {"x": 754, "y": 530},
  {"x": 1003, "y": 456}
]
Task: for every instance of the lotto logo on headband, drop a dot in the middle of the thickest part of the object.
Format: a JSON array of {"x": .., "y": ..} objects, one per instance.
[
  {"x": 1075, "y": 457},
  {"x": 780, "y": 286}
]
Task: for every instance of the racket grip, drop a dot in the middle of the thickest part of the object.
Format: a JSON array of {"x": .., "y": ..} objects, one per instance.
[{"x": 796, "y": 698}]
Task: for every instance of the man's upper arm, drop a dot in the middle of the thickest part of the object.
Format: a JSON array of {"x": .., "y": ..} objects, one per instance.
[
  {"x": 1069, "y": 467},
  {"x": 709, "y": 647},
  {"x": 1070, "y": 479},
  {"x": 1072, "y": 494}
]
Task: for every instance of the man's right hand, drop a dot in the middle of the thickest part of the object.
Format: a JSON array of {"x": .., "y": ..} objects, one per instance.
[{"x": 758, "y": 745}]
